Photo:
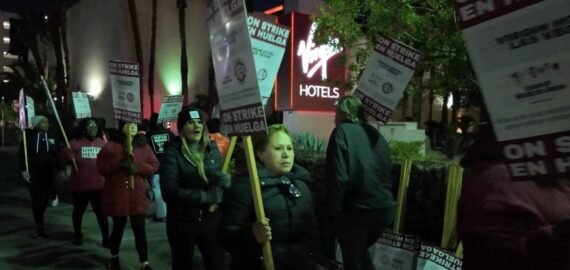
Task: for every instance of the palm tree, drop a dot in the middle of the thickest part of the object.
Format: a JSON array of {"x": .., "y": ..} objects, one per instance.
[
  {"x": 138, "y": 47},
  {"x": 181, "y": 4},
  {"x": 152, "y": 56}
]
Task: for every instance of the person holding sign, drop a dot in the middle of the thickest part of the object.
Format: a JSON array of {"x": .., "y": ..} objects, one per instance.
[
  {"x": 359, "y": 169},
  {"x": 85, "y": 183},
  {"x": 191, "y": 181},
  {"x": 158, "y": 137},
  {"x": 291, "y": 224},
  {"x": 506, "y": 224},
  {"x": 42, "y": 149},
  {"x": 124, "y": 192}
]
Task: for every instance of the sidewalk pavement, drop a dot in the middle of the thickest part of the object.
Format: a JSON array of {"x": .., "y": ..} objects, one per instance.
[{"x": 19, "y": 250}]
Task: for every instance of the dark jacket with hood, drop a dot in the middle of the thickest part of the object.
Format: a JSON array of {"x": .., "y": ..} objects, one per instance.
[
  {"x": 293, "y": 224},
  {"x": 183, "y": 190},
  {"x": 359, "y": 169},
  {"x": 42, "y": 153}
]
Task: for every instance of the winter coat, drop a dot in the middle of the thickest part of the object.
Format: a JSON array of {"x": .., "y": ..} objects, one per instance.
[
  {"x": 512, "y": 225},
  {"x": 84, "y": 151},
  {"x": 118, "y": 198},
  {"x": 42, "y": 150},
  {"x": 295, "y": 240},
  {"x": 359, "y": 169},
  {"x": 182, "y": 188}
]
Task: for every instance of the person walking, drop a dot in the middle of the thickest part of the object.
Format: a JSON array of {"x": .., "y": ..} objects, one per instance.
[
  {"x": 191, "y": 183},
  {"x": 290, "y": 226},
  {"x": 123, "y": 199},
  {"x": 42, "y": 150},
  {"x": 360, "y": 186},
  {"x": 86, "y": 183},
  {"x": 158, "y": 137}
]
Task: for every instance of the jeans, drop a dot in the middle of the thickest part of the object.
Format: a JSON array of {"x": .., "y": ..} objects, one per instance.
[{"x": 158, "y": 201}]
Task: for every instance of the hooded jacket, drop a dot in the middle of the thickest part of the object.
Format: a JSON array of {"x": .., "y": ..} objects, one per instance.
[{"x": 293, "y": 224}]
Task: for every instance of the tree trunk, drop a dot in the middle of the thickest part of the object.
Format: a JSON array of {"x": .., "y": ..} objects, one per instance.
[
  {"x": 66, "y": 60},
  {"x": 183, "y": 58},
  {"x": 444, "y": 111},
  {"x": 152, "y": 56},
  {"x": 54, "y": 28},
  {"x": 431, "y": 99},
  {"x": 417, "y": 106},
  {"x": 138, "y": 48}
]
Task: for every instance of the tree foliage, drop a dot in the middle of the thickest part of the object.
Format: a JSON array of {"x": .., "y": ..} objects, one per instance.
[{"x": 429, "y": 26}]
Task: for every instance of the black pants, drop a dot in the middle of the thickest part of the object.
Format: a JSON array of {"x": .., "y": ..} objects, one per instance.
[
  {"x": 137, "y": 224},
  {"x": 357, "y": 231},
  {"x": 40, "y": 194},
  {"x": 80, "y": 202},
  {"x": 183, "y": 235}
]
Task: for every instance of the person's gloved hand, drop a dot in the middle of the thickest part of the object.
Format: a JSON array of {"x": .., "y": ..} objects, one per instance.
[
  {"x": 128, "y": 165},
  {"x": 219, "y": 179},
  {"x": 212, "y": 196},
  {"x": 26, "y": 176},
  {"x": 261, "y": 231}
]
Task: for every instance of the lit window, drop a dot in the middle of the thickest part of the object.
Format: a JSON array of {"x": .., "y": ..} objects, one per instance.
[
  {"x": 6, "y": 25},
  {"x": 6, "y": 40}
]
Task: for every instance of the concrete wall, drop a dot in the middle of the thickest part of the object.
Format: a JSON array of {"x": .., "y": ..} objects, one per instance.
[{"x": 100, "y": 30}]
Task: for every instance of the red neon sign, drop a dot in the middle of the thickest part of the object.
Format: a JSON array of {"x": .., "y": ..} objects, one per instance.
[{"x": 311, "y": 74}]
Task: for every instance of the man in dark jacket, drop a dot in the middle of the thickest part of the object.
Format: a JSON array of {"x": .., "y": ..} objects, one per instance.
[
  {"x": 41, "y": 168},
  {"x": 359, "y": 167}
]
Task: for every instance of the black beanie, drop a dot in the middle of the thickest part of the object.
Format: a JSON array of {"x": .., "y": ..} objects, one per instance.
[{"x": 189, "y": 113}]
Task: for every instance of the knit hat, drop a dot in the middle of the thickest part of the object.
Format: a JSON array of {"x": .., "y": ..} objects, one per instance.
[
  {"x": 36, "y": 119},
  {"x": 187, "y": 114}
]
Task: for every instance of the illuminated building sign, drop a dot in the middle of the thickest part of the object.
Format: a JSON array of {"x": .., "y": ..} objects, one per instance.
[{"x": 310, "y": 75}]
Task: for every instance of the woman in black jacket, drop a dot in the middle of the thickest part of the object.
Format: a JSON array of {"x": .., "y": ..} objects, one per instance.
[
  {"x": 191, "y": 181},
  {"x": 290, "y": 225}
]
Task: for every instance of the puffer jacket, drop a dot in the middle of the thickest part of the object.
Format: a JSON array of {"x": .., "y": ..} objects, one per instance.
[
  {"x": 118, "y": 198},
  {"x": 293, "y": 224},
  {"x": 182, "y": 188}
]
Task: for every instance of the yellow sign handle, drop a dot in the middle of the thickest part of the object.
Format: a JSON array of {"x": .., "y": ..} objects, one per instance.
[
  {"x": 405, "y": 171},
  {"x": 257, "y": 198},
  {"x": 228, "y": 159},
  {"x": 225, "y": 166}
]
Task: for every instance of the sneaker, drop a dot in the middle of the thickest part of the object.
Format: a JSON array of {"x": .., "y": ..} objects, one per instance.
[
  {"x": 114, "y": 264},
  {"x": 55, "y": 201}
]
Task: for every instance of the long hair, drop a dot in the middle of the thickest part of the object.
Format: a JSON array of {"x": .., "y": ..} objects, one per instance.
[{"x": 196, "y": 156}]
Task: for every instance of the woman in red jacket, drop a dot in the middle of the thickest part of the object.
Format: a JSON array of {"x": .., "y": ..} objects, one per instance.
[
  {"x": 120, "y": 200},
  {"x": 86, "y": 184}
]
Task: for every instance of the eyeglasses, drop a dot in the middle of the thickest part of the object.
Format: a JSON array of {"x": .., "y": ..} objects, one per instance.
[{"x": 286, "y": 185}]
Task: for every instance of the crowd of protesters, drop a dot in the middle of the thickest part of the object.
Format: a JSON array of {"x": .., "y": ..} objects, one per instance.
[{"x": 204, "y": 207}]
